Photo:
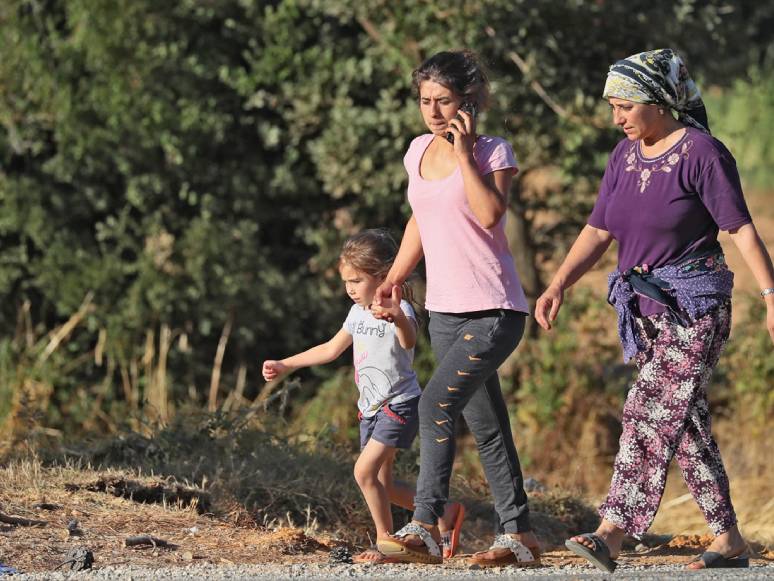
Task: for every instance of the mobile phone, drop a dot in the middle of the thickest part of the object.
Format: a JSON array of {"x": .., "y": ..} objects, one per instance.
[{"x": 470, "y": 109}]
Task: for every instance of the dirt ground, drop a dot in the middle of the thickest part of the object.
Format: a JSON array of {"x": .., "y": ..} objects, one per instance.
[{"x": 60, "y": 496}]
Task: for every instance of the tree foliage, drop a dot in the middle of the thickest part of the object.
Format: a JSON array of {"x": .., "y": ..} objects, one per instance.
[{"x": 195, "y": 165}]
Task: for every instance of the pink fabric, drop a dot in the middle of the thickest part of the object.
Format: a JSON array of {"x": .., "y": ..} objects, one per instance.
[{"x": 468, "y": 267}]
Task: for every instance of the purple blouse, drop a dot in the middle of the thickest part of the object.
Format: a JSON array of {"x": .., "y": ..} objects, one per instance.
[{"x": 664, "y": 208}]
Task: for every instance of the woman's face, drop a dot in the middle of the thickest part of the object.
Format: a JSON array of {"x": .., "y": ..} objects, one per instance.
[
  {"x": 638, "y": 121},
  {"x": 438, "y": 105}
]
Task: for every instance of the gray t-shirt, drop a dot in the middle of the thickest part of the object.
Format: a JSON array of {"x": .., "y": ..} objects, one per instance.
[{"x": 383, "y": 369}]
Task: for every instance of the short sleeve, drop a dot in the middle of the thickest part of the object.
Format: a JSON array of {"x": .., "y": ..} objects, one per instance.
[
  {"x": 721, "y": 193},
  {"x": 606, "y": 188},
  {"x": 349, "y": 322},
  {"x": 408, "y": 310},
  {"x": 495, "y": 154}
]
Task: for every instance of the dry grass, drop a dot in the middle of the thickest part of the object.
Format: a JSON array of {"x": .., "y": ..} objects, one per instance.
[
  {"x": 106, "y": 521},
  {"x": 228, "y": 534}
]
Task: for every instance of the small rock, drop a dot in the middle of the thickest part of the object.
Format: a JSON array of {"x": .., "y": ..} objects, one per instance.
[
  {"x": 533, "y": 485},
  {"x": 73, "y": 530},
  {"x": 340, "y": 554}
]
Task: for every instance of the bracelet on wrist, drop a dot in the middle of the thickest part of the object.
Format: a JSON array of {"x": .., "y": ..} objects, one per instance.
[{"x": 767, "y": 291}]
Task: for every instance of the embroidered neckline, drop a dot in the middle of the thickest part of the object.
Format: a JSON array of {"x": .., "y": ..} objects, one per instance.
[
  {"x": 664, "y": 163},
  {"x": 645, "y": 159}
]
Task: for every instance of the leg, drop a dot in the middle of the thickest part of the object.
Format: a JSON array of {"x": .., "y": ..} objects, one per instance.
[
  {"x": 399, "y": 493},
  {"x": 479, "y": 346},
  {"x": 367, "y": 469},
  {"x": 656, "y": 418},
  {"x": 402, "y": 494},
  {"x": 699, "y": 458},
  {"x": 487, "y": 417}
]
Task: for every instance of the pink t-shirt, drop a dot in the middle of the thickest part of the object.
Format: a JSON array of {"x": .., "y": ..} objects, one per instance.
[{"x": 469, "y": 268}]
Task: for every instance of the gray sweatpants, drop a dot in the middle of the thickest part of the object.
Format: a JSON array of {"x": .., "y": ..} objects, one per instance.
[{"x": 469, "y": 347}]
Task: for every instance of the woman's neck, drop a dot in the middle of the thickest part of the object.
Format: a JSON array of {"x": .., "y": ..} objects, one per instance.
[{"x": 663, "y": 138}]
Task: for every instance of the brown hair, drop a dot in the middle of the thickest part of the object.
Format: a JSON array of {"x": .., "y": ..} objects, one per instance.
[
  {"x": 373, "y": 252},
  {"x": 459, "y": 71}
]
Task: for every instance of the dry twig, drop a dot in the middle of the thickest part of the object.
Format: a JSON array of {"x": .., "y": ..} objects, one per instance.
[{"x": 147, "y": 540}]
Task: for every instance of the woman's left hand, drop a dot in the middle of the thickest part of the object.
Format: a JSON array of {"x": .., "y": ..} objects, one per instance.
[{"x": 463, "y": 127}]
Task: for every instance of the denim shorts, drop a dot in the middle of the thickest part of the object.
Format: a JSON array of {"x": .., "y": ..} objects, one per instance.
[{"x": 395, "y": 424}]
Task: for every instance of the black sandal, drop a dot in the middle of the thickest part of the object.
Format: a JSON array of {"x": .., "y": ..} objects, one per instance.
[
  {"x": 599, "y": 555},
  {"x": 713, "y": 560}
]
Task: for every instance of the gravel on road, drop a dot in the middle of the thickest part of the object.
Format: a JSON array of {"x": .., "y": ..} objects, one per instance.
[{"x": 401, "y": 573}]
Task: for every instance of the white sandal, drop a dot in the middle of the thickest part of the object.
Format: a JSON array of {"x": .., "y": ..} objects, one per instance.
[
  {"x": 520, "y": 554},
  {"x": 396, "y": 548}
]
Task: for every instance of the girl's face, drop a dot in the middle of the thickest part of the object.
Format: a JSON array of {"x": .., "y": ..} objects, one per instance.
[
  {"x": 438, "y": 105},
  {"x": 638, "y": 121},
  {"x": 359, "y": 285}
]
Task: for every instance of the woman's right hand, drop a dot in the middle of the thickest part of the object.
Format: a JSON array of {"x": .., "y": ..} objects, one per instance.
[
  {"x": 382, "y": 294},
  {"x": 274, "y": 369},
  {"x": 548, "y": 305}
]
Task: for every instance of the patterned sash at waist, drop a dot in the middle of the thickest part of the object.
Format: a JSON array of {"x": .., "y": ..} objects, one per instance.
[{"x": 690, "y": 289}]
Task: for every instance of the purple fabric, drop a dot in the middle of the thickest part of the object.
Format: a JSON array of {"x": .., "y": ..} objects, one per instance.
[
  {"x": 698, "y": 286},
  {"x": 667, "y": 415},
  {"x": 662, "y": 209}
]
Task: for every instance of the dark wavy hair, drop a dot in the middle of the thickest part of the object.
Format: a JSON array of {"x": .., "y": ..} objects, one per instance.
[{"x": 460, "y": 71}]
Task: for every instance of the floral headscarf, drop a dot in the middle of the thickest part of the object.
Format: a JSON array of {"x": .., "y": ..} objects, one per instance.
[{"x": 658, "y": 77}]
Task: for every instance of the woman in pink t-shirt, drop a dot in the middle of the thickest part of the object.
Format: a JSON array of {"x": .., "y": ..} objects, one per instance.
[{"x": 458, "y": 191}]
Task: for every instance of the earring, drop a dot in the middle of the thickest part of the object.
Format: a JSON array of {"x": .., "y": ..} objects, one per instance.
[{"x": 661, "y": 111}]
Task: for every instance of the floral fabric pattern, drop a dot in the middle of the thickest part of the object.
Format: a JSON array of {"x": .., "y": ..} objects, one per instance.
[
  {"x": 664, "y": 164},
  {"x": 666, "y": 414},
  {"x": 658, "y": 77}
]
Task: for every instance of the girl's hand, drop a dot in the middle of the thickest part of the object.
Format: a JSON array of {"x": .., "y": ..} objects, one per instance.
[
  {"x": 548, "y": 305},
  {"x": 274, "y": 369},
  {"x": 770, "y": 317},
  {"x": 463, "y": 127},
  {"x": 382, "y": 294},
  {"x": 388, "y": 308}
]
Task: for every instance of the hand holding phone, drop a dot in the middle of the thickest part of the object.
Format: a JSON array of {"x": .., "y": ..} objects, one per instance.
[{"x": 470, "y": 109}]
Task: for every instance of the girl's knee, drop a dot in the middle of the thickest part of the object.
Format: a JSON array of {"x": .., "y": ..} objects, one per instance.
[{"x": 365, "y": 474}]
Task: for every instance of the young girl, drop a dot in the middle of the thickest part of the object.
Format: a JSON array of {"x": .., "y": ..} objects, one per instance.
[{"x": 389, "y": 391}]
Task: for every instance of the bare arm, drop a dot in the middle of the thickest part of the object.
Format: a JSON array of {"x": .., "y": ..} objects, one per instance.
[
  {"x": 405, "y": 330},
  {"x": 317, "y": 355},
  {"x": 487, "y": 195},
  {"x": 754, "y": 252},
  {"x": 409, "y": 255},
  {"x": 589, "y": 247},
  {"x": 389, "y": 308}
]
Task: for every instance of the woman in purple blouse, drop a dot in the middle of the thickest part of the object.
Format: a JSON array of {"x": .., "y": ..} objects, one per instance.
[{"x": 669, "y": 187}]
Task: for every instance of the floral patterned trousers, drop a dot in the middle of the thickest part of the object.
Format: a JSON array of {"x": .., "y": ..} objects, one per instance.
[{"x": 667, "y": 414}]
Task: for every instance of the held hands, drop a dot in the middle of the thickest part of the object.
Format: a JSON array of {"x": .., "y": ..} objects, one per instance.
[
  {"x": 387, "y": 308},
  {"x": 548, "y": 305},
  {"x": 274, "y": 370},
  {"x": 463, "y": 127}
]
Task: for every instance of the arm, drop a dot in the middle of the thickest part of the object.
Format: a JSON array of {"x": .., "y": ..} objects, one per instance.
[
  {"x": 758, "y": 260},
  {"x": 409, "y": 255},
  {"x": 405, "y": 328},
  {"x": 487, "y": 195},
  {"x": 317, "y": 355},
  {"x": 585, "y": 252}
]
